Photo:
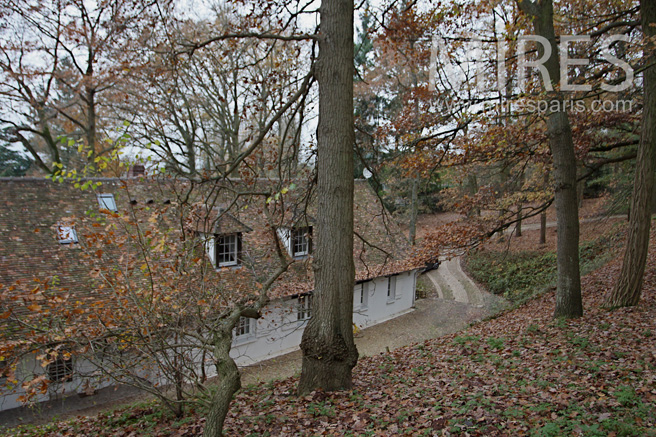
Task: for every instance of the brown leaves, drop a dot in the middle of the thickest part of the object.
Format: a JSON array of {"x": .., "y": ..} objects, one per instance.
[{"x": 512, "y": 375}]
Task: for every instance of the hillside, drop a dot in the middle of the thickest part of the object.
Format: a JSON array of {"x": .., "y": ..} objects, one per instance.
[{"x": 521, "y": 373}]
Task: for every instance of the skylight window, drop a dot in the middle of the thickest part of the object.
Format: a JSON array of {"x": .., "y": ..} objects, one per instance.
[
  {"x": 66, "y": 234},
  {"x": 106, "y": 201}
]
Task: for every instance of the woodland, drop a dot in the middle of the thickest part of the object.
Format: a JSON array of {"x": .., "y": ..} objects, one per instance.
[{"x": 498, "y": 110}]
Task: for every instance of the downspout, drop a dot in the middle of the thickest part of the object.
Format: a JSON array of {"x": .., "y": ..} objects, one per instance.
[{"x": 415, "y": 272}]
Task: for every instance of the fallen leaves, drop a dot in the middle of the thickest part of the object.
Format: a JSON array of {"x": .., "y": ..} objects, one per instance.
[{"x": 521, "y": 373}]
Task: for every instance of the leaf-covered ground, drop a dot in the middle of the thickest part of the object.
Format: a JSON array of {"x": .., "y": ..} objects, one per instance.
[{"x": 521, "y": 373}]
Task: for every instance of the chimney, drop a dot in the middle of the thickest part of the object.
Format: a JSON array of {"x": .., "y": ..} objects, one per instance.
[{"x": 136, "y": 171}]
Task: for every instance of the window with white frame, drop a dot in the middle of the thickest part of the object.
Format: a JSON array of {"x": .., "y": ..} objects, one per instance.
[
  {"x": 300, "y": 241},
  {"x": 391, "y": 289},
  {"x": 66, "y": 234},
  {"x": 107, "y": 201},
  {"x": 297, "y": 241},
  {"x": 304, "y": 307},
  {"x": 245, "y": 328},
  {"x": 227, "y": 250},
  {"x": 364, "y": 295}
]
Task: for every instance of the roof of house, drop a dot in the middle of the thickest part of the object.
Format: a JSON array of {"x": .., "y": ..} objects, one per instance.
[{"x": 33, "y": 262}]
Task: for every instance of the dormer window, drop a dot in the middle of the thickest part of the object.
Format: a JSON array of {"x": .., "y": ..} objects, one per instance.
[
  {"x": 107, "y": 201},
  {"x": 66, "y": 234},
  {"x": 300, "y": 242},
  {"x": 228, "y": 250},
  {"x": 297, "y": 240}
]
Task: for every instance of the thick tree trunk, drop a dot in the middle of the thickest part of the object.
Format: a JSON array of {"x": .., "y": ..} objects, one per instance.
[
  {"x": 228, "y": 382},
  {"x": 568, "y": 293},
  {"x": 329, "y": 352},
  {"x": 629, "y": 285}
]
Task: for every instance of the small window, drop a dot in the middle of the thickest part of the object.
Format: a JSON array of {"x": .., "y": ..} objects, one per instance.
[
  {"x": 244, "y": 328},
  {"x": 391, "y": 288},
  {"x": 4, "y": 368},
  {"x": 60, "y": 370},
  {"x": 304, "y": 307},
  {"x": 106, "y": 201},
  {"x": 227, "y": 250},
  {"x": 66, "y": 234},
  {"x": 364, "y": 295},
  {"x": 300, "y": 241}
]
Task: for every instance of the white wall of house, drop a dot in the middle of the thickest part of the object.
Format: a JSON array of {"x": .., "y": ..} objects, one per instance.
[
  {"x": 30, "y": 366},
  {"x": 277, "y": 332},
  {"x": 377, "y": 306}
]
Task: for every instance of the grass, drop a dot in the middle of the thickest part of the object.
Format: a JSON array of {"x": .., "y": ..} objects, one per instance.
[
  {"x": 520, "y": 276},
  {"x": 515, "y": 276}
]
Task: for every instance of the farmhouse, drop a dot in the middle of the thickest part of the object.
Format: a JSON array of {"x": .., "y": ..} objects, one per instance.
[{"x": 67, "y": 250}]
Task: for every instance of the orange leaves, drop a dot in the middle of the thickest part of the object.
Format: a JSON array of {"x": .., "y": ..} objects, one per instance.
[
  {"x": 38, "y": 385},
  {"x": 34, "y": 307}
]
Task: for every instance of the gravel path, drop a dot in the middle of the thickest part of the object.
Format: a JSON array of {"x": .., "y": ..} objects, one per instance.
[
  {"x": 455, "y": 302},
  {"x": 452, "y": 283}
]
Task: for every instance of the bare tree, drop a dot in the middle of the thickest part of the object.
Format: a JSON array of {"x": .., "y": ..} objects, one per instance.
[{"x": 59, "y": 61}]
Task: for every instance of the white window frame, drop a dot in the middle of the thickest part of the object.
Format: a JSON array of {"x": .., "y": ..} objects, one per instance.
[
  {"x": 391, "y": 289},
  {"x": 302, "y": 234},
  {"x": 245, "y": 329},
  {"x": 288, "y": 238},
  {"x": 303, "y": 307},
  {"x": 107, "y": 201},
  {"x": 284, "y": 234},
  {"x": 66, "y": 234},
  {"x": 234, "y": 250}
]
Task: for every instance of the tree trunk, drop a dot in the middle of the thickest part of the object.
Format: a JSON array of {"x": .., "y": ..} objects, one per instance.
[
  {"x": 91, "y": 119},
  {"x": 329, "y": 352},
  {"x": 518, "y": 227},
  {"x": 413, "y": 212},
  {"x": 543, "y": 228},
  {"x": 568, "y": 292},
  {"x": 629, "y": 285},
  {"x": 228, "y": 382},
  {"x": 559, "y": 132},
  {"x": 543, "y": 215},
  {"x": 472, "y": 187}
]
